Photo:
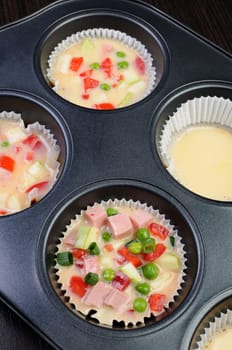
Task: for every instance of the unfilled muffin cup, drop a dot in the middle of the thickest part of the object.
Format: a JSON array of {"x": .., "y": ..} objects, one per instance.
[
  {"x": 107, "y": 33},
  {"x": 129, "y": 318},
  {"x": 198, "y": 112}
]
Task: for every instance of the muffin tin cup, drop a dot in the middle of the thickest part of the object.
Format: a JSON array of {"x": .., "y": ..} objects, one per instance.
[{"x": 123, "y": 190}]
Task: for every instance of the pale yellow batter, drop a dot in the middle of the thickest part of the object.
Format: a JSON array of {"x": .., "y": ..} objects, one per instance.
[
  {"x": 202, "y": 161},
  {"x": 222, "y": 341}
]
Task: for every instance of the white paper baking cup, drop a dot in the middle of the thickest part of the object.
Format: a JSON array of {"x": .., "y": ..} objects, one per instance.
[
  {"x": 179, "y": 249},
  {"x": 217, "y": 325},
  {"x": 105, "y": 33},
  {"x": 198, "y": 111}
]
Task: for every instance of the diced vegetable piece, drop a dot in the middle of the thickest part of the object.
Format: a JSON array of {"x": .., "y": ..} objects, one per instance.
[
  {"x": 120, "y": 54},
  {"x": 148, "y": 245},
  {"x": 75, "y": 63},
  {"x": 91, "y": 278},
  {"x": 105, "y": 87},
  {"x": 104, "y": 105},
  {"x": 169, "y": 261},
  {"x": 157, "y": 302},
  {"x": 93, "y": 249},
  {"x": 150, "y": 271},
  {"x": 87, "y": 46},
  {"x": 65, "y": 258},
  {"x": 109, "y": 247},
  {"x": 130, "y": 270},
  {"x": 134, "y": 259},
  {"x": 5, "y": 144},
  {"x": 135, "y": 247},
  {"x": 78, "y": 253},
  {"x": 143, "y": 288},
  {"x": 158, "y": 230},
  {"x": 39, "y": 171},
  {"x": 111, "y": 211},
  {"x": 121, "y": 281},
  {"x": 85, "y": 96},
  {"x": 140, "y": 65},
  {"x": 90, "y": 83},
  {"x": 82, "y": 234},
  {"x": 172, "y": 241},
  {"x": 106, "y": 261},
  {"x": 123, "y": 65},
  {"x": 162, "y": 281},
  {"x": 7, "y": 163},
  {"x": 31, "y": 140},
  {"x": 14, "y": 134},
  {"x": 158, "y": 251},
  {"x": 108, "y": 275},
  {"x": 142, "y": 234},
  {"x": 3, "y": 212},
  {"x": 86, "y": 73},
  {"x": 139, "y": 305},
  {"x": 137, "y": 87},
  {"x": 95, "y": 66},
  {"x": 126, "y": 100},
  {"x": 39, "y": 185},
  {"x": 78, "y": 285},
  {"x": 106, "y": 65},
  {"x": 106, "y": 236},
  {"x": 91, "y": 237}
]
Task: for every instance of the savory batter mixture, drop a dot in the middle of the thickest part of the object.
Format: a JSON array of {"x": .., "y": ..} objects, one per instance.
[
  {"x": 99, "y": 73},
  {"x": 28, "y": 166},
  {"x": 119, "y": 261},
  {"x": 201, "y": 159}
]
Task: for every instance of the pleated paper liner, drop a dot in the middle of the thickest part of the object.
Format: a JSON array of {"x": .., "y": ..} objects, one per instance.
[
  {"x": 122, "y": 37},
  {"x": 107, "y": 316}
]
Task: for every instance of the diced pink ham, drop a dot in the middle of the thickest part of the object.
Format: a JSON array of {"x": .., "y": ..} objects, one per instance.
[
  {"x": 140, "y": 218},
  {"x": 121, "y": 225},
  {"x": 70, "y": 239},
  {"x": 117, "y": 299},
  {"x": 97, "y": 294},
  {"x": 96, "y": 216},
  {"x": 91, "y": 264}
]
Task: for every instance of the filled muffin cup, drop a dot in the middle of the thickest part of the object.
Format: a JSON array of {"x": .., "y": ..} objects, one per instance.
[
  {"x": 28, "y": 163},
  {"x": 198, "y": 114},
  {"x": 101, "y": 81}
]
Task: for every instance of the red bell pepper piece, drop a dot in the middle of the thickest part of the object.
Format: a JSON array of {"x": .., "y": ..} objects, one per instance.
[
  {"x": 31, "y": 140},
  {"x": 75, "y": 63},
  {"x": 157, "y": 301},
  {"x": 121, "y": 281},
  {"x": 3, "y": 212},
  {"x": 109, "y": 247},
  {"x": 90, "y": 83},
  {"x": 140, "y": 65},
  {"x": 78, "y": 253},
  {"x": 30, "y": 156},
  {"x": 86, "y": 73},
  {"x": 78, "y": 285},
  {"x": 158, "y": 230},
  {"x": 40, "y": 186},
  {"x": 85, "y": 96},
  {"x": 104, "y": 105},
  {"x": 106, "y": 65},
  {"x": 7, "y": 163},
  {"x": 134, "y": 259},
  {"x": 159, "y": 250}
]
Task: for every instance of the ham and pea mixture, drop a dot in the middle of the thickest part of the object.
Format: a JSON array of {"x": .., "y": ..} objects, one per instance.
[
  {"x": 119, "y": 261},
  {"x": 26, "y": 169},
  {"x": 99, "y": 73}
]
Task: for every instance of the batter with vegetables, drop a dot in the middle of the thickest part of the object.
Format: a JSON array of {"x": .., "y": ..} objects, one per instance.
[
  {"x": 28, "y": 165},
  {"x": 125, "y": 262},
  {"x": 99, "y": 73}
]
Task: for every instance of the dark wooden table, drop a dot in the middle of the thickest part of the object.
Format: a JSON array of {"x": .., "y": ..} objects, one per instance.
[{"x": 210, "y": 18}]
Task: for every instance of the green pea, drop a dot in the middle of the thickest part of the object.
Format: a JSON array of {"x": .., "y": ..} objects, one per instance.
[
  {"x": 123, "y": 65},
  {"x": 139, "y": 305},
  {"x": 111, "y": 211},
  {"x": 5, "y": 144},
  {"x": 105, "y": 87},
  {"x": 95, "y": 65},
  {"x": 120, "y": 54},
  {"x": 143, "y": 288},
  {"x": 135, "y": 247},
  {"x": 106, "y": 236},
  {"x": 150, "y": 271},
  {"x": 142, "y": 234},
  {"x": 148, "y": 245},
  {"x": 108, "y": 275}
]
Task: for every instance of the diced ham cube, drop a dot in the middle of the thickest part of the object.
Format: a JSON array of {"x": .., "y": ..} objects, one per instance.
[
  {"x": 96, "y": 216},
  {"x": 97, "y": 294},
  {"x": 117, "y": 299},
  {"x": 140, "y": 218},
  {"x": 91, "y": 264},
  {"x": 70, "y": 239},
  {"x": 121, "y": 225}
]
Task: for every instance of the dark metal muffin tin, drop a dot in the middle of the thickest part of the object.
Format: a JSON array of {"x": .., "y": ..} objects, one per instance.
[{"x": 111, "y": 154}]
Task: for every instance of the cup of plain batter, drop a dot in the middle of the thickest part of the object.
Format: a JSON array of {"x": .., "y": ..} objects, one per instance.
[{"x": 196, "y": 146}]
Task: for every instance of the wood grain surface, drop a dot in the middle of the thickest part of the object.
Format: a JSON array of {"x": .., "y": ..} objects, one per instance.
[{"x": 210, "y": 18}]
